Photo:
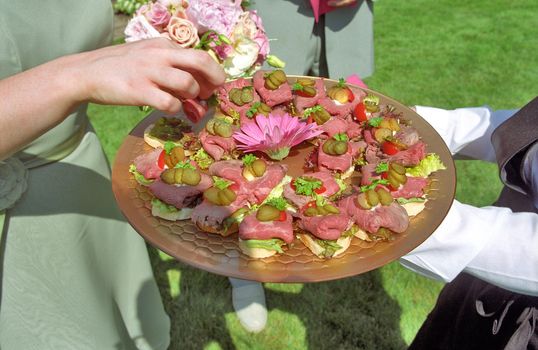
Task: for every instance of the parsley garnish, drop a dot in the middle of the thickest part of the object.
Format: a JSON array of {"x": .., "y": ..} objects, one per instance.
[
  {"x": 184, "y": 165},
  {"x": 297, "y": 87},
  {"x": 308, "y": 111},
  {"x": 382, "y": 167},
  {"x": 202, "y": 158},
  {"x": 253, "y": 109},
  {"x": 168, "y": 146},
  {"x": 306, "y": 186},
  {"x": 341, "y": 82},
  {"x": 278, "y": 202},
  {"x": 341, "y": 137},
  {"x": 374, "y": 184},
  {"x": 221, "y": 183},
  {"x": 375, "y": 121},
  {"x": 249, "y": 159}
]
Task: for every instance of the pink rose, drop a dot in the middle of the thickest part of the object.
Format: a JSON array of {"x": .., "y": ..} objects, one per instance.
[
  {"x": 156, "y": 14},
  {"x": 174, "y": 6},
  {"x": 263, "y": 42},
  {"x": 257, "y": 19},
  {"x": 139, "y": 28},
  {"x": 217, "y": 15},
  {"x": 183, "y": 32}
]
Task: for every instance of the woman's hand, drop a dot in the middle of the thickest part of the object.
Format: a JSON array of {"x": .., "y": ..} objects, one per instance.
[{"x": 155, "y": 72}]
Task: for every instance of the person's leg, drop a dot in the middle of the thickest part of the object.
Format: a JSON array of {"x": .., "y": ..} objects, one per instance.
[{"x": 248, "y": 300}]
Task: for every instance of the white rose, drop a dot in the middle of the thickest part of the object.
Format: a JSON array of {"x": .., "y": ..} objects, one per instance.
[{"x": 242, "y": 58}]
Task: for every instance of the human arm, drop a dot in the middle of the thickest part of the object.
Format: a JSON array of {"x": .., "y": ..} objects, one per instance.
[
  {"x": 491, "y": 243},
  {"x": 466, "y": 131},
  {"x": 154, "y": 72}
]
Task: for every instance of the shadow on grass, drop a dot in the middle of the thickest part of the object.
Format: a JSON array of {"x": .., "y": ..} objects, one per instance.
[{"x": 354, "y": 313}]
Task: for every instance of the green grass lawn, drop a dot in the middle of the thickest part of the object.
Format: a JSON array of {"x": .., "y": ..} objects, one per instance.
[{"x": 441, "y": 53}]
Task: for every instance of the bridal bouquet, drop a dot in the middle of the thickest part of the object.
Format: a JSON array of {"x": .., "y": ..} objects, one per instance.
[{"x": 230, "y": 33}]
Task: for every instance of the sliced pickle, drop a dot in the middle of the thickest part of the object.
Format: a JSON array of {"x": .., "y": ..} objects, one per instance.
[
  {"x": 212, "y": 195},
  {"x": 191, "y": 177},
  {"x": 328, "y": 147},
  {"x": 168, "y": 176},
  {"x": 267, "y": 213},
  {"x": 392, "y": 180},
  {"x": 309, "y": 91},
  {"x": 235, "y": 96},
  {"x": 331, "y": 209},
  {"x": 401, "y": 178},
  {"x": 246, "y": 95},
  {"x": 400, "y": 169},
  {"x": 223, "y": 129},
  {"x": 381, "y": 134},
  {"x": 322, "y": 211},
  {"x": 372, "y": 197},
  {"x": 264, "y": 108},
  {"x": 178, "y": 175},
  {"x": 222, "y": 198},
  {"x": 280, "y": 76},
  {"x": 306, "y": 82},
  {"x": 176, "y": 155},
  {"x": 385, "y": 198},
  {"x": 321, "y": 116},
  {"x": 269, "y": 84},
  {"x": 340, "y": 147},
  {"x": 234, "y": 92},
  {"x": 210, "y": 126},
  {"x": 311, "y": 211},
  {"x": 258, "y": 167},
  {"x": 229, "y": 195},
  {"x": 273, "y": 78},
  {"x": 362, "y": 201}
]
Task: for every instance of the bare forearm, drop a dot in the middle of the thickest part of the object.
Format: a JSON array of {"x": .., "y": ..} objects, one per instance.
[
  {"x": 34, "y": 102},
  {"x": 156, "y": 72}
]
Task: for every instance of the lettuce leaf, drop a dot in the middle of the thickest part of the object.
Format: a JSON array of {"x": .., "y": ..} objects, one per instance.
[
  {"x": 163, "y": 207},
  {"x": 428, "y": 165},
  {"x": 410, "y": 200},
  {"x": 269, "y": 244},
  {"x": 330, "y": 247},
  {"x": 202, "y": 158},
  {"x": 139, "y": 177}
]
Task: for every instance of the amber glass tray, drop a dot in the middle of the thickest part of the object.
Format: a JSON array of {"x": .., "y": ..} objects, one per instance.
[{"x": 221, "y": 255}]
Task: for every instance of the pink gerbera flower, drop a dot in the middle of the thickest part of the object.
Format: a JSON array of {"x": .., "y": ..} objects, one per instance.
[{"x": 274, "y": 135}]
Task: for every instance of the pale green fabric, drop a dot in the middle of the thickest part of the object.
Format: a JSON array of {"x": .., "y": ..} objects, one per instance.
[
  {"x": 75, "y": 275},
  {"x": 348, "y": 37}
]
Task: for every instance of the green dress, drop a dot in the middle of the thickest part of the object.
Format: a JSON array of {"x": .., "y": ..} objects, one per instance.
[
  {"x": 348, "y": 37},
  {"x": 75, "y": 275}
]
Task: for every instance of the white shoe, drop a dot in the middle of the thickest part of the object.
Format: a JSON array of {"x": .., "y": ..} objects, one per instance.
[{"x": 249, "y": 304}]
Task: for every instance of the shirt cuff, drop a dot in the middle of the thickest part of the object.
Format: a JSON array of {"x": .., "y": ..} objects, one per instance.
[
  {"x": 491, "y": 243},
  {"x": 453, "y": 245},
  {"x": 466, "y": 131}
]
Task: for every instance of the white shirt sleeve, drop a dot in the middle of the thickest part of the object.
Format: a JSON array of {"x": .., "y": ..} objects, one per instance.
[
  {"x": 491, "y": 243},
  {"x": 466, "y": 131}
]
